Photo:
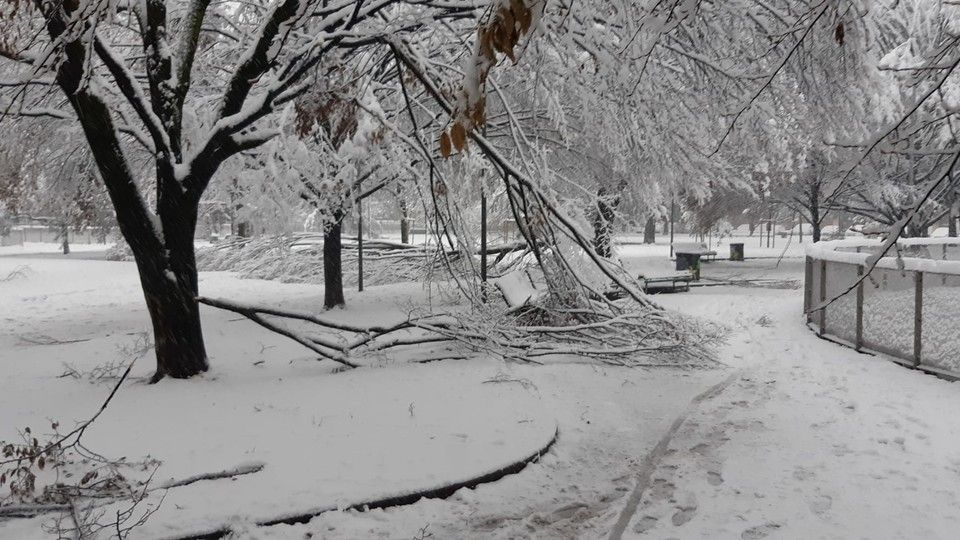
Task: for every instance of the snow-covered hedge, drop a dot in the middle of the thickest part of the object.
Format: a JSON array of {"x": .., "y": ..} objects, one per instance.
[{"x": 299, "y": 259}]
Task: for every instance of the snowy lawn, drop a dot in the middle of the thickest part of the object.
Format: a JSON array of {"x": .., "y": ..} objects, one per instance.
[
  {"x": 36, "y": 248},
  {"x": 325, "y": 439}
]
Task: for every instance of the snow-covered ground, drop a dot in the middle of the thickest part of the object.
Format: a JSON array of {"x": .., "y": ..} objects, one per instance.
[
  {"x": 809, "y": 440},
  {"x": 35, "y": 248},
  {"x": 795, "y": 437}
]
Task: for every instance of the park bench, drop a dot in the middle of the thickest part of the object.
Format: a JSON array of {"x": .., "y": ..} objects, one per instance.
[{"x": 672, "y": 283}]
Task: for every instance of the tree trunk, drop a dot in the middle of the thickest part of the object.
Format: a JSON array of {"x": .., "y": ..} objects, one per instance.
[
  {"x": 64, "y": 232},
  {"x": 650, "y": 231},
  {"x": 815, "y": 218},
  {"x": 815, "y": 223},
  {"x": 333, "y": 265},
  {"x": 952, "y": 213},
  {"x": 603, "y": 223},
  {"x": 175, "y": 315},
  {"x": 404, "y": 231},
  {"x": 404, "y": 220},
  {"x": 169, "y": 279}
]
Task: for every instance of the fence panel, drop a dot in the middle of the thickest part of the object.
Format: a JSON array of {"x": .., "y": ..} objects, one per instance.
[
  {"x": 940, "y": 341},
  {"x": 888, "y": 309},
  {"x": 813, "y": 290},
  {"x": 842, "y": 314}
]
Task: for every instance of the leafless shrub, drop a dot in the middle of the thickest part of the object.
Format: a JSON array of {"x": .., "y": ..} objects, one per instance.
[
  {"x": 61, "y": 475},
  {"x": 18, "y": 272},
  {"x": 765, "y": 321},
  {"x": 111, "y": 370}
]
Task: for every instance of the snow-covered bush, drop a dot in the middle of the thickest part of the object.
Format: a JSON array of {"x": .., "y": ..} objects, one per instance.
[
  {"x": 298, "y": 258},
  {"x": 119, "y": 252}
]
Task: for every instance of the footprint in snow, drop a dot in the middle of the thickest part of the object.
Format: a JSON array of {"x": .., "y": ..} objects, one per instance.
[
  {"x": 802, "y": 474},
  {"x": 760, "y": 531},
  {"x": 714, "y": 478},
  {"x": 685, "y": 511},
  {"x": 820, "y": 504},
  {"x": 645, "y": 524},
  {"x": 683, "y": 515}
]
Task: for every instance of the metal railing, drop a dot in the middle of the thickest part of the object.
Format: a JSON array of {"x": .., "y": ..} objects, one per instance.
[{"x": 908, "y": 308}]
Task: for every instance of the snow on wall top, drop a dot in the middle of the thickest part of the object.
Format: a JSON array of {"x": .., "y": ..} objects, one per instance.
[{"x": 839, "y": 251}]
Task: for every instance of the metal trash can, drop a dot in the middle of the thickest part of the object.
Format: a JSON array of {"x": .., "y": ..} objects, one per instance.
[
  {"x": 689, "y": 261},
  {"x": 736, "y": 251}
]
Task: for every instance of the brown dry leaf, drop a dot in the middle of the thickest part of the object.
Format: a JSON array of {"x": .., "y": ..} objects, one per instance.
[
  {"x": 459, "y": 136},
  {"x": 444, "y": 144}
]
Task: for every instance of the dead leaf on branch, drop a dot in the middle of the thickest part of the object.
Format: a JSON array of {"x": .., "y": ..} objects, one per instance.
[{"x": 445, "y": 144}]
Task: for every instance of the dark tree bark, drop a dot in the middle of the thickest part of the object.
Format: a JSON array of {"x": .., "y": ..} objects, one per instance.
[
  {"x": 603, "y": 218},
  {"x": 170, "y": 284},
  {"x": 814, "y": 210},
  {"x": 175, "y": 315},
  {"x": 64, "y": 232},
  {"x": 333, "y": 265},
  {"x": 952, "y": 213},
  {"x": 650, "y": 231},
  {"x": 404, "y": 223}
]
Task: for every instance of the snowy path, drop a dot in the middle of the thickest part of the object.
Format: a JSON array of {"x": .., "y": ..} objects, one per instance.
[{"x": 810, "y": 440}]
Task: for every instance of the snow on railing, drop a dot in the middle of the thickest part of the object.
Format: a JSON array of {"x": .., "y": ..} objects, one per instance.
[{"x": 908, "y": 307}]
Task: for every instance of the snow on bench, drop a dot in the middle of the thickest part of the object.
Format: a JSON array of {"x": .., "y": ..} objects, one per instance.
[
  {"x": 517, "y": 288},
  {"x": 671, "y": 283}
]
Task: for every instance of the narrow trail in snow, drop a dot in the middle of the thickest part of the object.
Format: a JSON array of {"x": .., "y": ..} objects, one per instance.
[{"x": 651, "y": 460}]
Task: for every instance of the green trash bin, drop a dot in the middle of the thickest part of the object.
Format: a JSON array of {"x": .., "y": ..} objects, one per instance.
[
  {"x": 689, "y": 261},
  {"x": 736, "y": 251}
]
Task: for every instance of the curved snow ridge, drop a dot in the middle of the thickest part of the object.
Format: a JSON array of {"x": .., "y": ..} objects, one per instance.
[{"x": 442, "y": 491}]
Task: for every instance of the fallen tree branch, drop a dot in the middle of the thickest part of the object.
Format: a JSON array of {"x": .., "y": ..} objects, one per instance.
[{"x": 239, "y": 470}]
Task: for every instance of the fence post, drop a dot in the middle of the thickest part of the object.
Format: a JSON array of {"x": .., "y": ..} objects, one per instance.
[
  {"x": 359, "y": 245},
  {"x": 483, "y": 244},
  {"x": 917, "y": 316},
  {"x": 823, "y": 296},
  {"x": 859, "y": 339},
  {"x": 807, "y": 286}
]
